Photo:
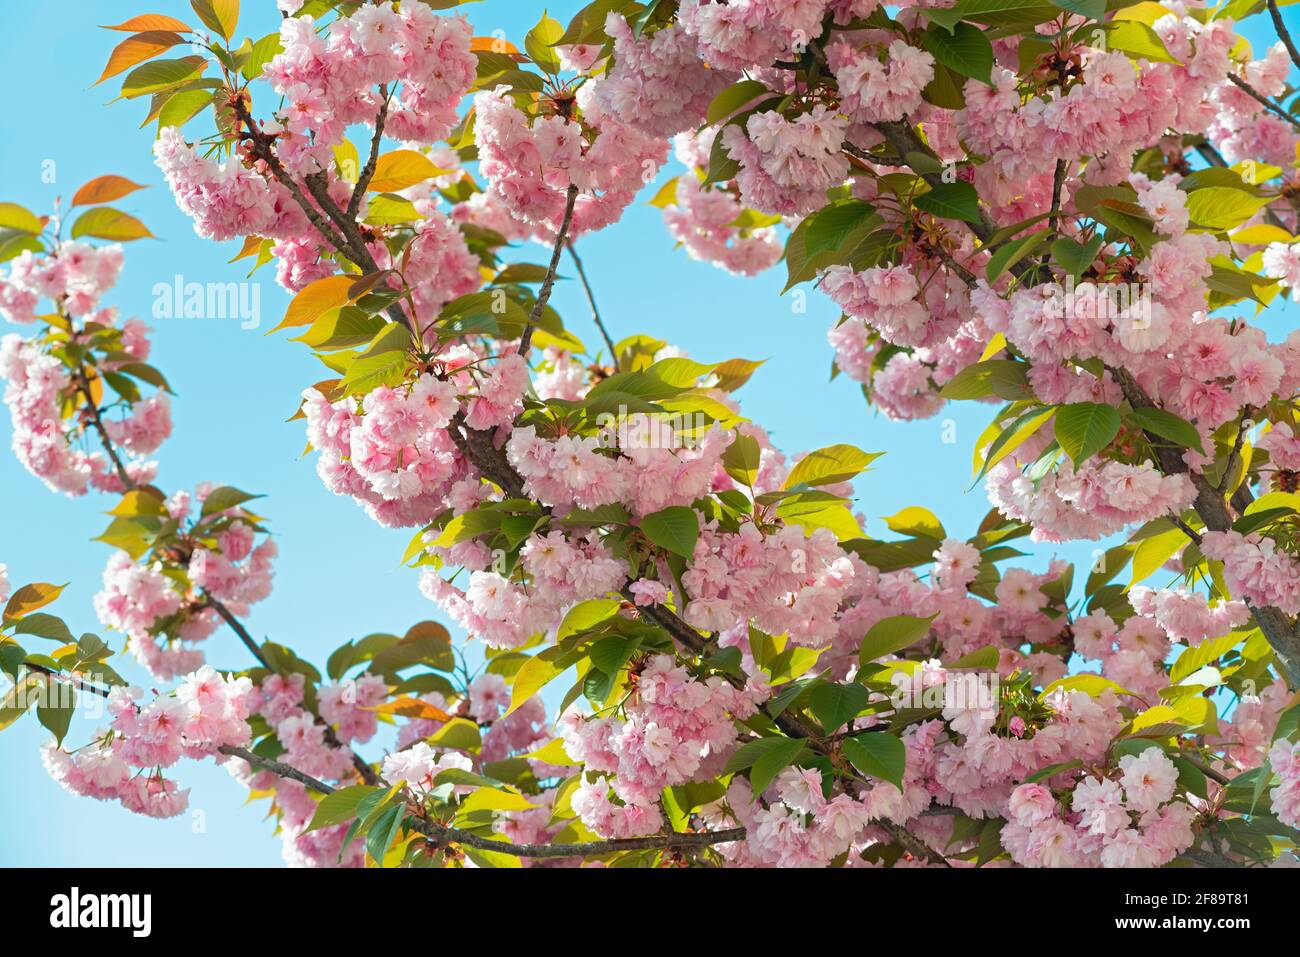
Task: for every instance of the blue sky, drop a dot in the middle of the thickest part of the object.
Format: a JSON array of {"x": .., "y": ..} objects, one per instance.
[{"x": 338, "y": 575}]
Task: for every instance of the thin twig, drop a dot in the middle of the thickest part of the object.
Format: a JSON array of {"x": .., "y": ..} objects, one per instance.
[
  {"x": 544, "y": 293},
  {"x": 83, "y": 384},
  {"x": 591, "y": 300},
  {"x": 1263, "y": 100},
  {"x": 238, "y": 628}
]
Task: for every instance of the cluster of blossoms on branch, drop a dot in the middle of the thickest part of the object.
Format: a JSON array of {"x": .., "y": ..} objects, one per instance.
[{"x": 1008, "y": 215}]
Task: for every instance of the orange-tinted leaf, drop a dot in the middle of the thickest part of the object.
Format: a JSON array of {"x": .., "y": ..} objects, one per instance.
[
  {"x": 411, "y": 708},
  {"x": 111, "y": 224},
  {"x": 400, "y": 169},
  {"x": 137, "y": 49},
  {"x": 152, "y": 21},
  {"x": 105, "y": 189},
  {"x": 31, "y": 597},
  {"x": 492, "y": 45},
  {"x": 252, "y": 246},
  {"x": 315, "y": 299}
]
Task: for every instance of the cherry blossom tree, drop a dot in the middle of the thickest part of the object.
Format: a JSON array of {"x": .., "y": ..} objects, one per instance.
[{"x": 1073, "y": 211}]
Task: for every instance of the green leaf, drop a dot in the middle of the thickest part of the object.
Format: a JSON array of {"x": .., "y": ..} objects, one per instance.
[
  {"x": 1010, "y": 253},
  {"x": 830, "y": 466},
  {"x": 104, "y": 222},
  {"x": 29, "y": 598},
  {"x": 830, "y": 227},
  {"x": 45, "y": 626},
  {"x": 219, "y": 16},
  {"x": 1092, "y": 9},
  {"x": 159, "y": 75},
  {"x": 951, "y": 201},
  {"x": 766, "y": 758},
  {"x": 223, "y": 498},
  {"x": 834, "y": 705},
  {"x": 539, "y": 43},
  {"x": 1222, "y": 207},
  {"x": 994, "y": 13},
  {"x": 965, "y": 50},
  {"x": 1085, "y": 428},
  {"x": 263, "y": 52},
  {"x": 1137, "y": 38},
  {"x": 13, "y": 216},
  {"x": 879, "y": 755},
  {"x": 732, "y": 98},
  {"x": 56, "y": 718},
  {"x": 891, "y": 635},
  {"x": 1005, "y": 378},
  {"x": 675, "y": 529},
  {"x": 340, "y": 806},
  {"x": 742, "y": 459},
  {"x": 1076, "y": 257},
  {"x": 382, "y": 831},
  {"x": 1167, "y": 425}
]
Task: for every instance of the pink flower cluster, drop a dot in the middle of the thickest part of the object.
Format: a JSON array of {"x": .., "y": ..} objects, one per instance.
[
  {"x": 745, "y": 33},
  {"x": 703, "y": 221},
  {"x": 657, "y": 83},
  {"x": 206, "y": 712},
  {"x": 226, "y": 200},
  {"x": 786, "y": 166},
  {"x": 161, "y": 617},
  {"x": 646, "y": 475},
  {"x": 1132, "y": 820},
  {"x": 873, "y": 91},
  {"x": 1187, "y": 616},
  {"x": 885, "y": 298},
  {"x": 74, "y": 276},
  {"x": 530, "y": 166},
  {"x": 40, "y": 385},
  {"x": 556, "y": 573},
  {"x": 393, "y": 454},
  {"x": 1095, "y": 500},
  {"x": 418, "y": 766},
  {"x": 675, "y": 729},
  {"x": 1284, "y": 758},
  {"x": 349, "y": 707},
  {"x": 329, "y": 82},
  {"x": 1256, "y": 569}
]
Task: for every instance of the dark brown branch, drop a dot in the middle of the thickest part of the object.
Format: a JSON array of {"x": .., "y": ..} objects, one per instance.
[
  {"x": 544, "y": 293},
  {"x": 368, "y": 172},
  {"x": 1283, "y": 636},
  {"x": 477, "y": 446},
  {"x": 1263, "y": 100},
  {"x": 1282, "y": 33},
  {"x": 73, "y": 680},
  {"x": 1058, "y": 183},
  {"x": 238, "y": 628},
  {"x": 97, "y": 420}
]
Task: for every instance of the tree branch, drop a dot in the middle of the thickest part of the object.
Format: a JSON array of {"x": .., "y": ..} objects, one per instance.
[
  {"x": 1282, "y": 33},
  {"x": 451, "y": 835},
  {"x": 544, "y": 293},
  {"x": 1263, "y": 100},
  {"x": 92, "y": 408},
  {"x": 368, "y": 172},
  {"x": 591, "y": 300},
  {"x": 1282, "y": 635}
]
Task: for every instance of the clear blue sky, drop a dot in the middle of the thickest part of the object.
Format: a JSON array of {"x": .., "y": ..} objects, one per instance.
[{"x": 338, "y": 576}]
